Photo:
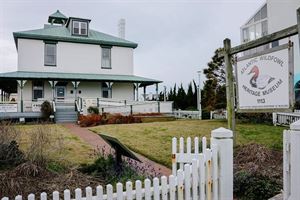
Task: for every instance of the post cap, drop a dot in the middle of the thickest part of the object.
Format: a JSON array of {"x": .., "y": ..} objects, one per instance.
[
  {"x": 295, "y": 125},
  {"x": 221, "y": 133}
]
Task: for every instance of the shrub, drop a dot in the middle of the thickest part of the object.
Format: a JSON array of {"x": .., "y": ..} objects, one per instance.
[
  {"x": 10, "y": 154},
  {"x": 255, "y": 117},
  {"x": 105, "y": 169},
  {"x": 90, "y": 120},
  {"x": 43, "y": 144},
  {"x": 93, "y": 110},
  {"x": 252, "y": 186},
  {"x": 46, "y": 109}
]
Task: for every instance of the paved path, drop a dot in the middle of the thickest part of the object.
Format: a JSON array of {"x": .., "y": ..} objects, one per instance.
[{"x": 97, "y": 142}]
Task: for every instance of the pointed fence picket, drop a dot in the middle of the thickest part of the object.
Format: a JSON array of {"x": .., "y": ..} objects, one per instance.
[{"x": 200, "y": 176}]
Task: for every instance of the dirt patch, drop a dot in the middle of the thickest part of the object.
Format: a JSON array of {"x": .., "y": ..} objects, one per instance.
[
  {"x": 29, "y": 178},
  {"x": 255, "y": 158}
]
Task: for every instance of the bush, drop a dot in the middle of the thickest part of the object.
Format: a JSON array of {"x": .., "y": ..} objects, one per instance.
[
  {"x": 105, "y": 169},
  {"x": 10, "y": 154},
  {"x": 93, "y": 110},
  {"x": 252, "y": 187},
  {"x": 255, "y": 117},
  {"x": 46, "y": 109},
  {"x": 90, "y": 120},
  {"x": 43, "y": 145},
  {"x": 94, "y": 120}
]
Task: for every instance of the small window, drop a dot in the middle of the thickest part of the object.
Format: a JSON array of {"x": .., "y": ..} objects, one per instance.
[
  {"x": 105, "y": 90},
  {"x": 106, "y": 58},
  {"x": 76, "y": 27},
  {"x": 275, "y": 43},
  {"x": 83, "y": 28},
  {"x": 37, "y": 90},
  {"x": 50, "y": 54},
  {"x": 79, "y": 28},
  {"x": 264, "y": 12}
]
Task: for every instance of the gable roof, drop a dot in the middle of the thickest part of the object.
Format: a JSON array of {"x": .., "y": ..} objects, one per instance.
[{"x": 62, "y": 33}]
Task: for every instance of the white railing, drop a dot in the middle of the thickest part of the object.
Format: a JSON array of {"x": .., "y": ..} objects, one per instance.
[
  {"x": 291, "y": 162},
  {"x": 187, "y": 114},
  {"x": 218, "y": 114},
  {"x": 202, "y": 176},
  {"x": 285, "y": 119}
]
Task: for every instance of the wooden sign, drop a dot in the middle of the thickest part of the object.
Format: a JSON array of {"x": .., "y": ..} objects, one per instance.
[{"x": 265, "y": 80}]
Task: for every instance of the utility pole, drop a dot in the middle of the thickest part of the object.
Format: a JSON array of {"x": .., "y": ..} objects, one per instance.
[
  {"x": 199, "y": 95},
  {"x": 229, "y": 87},
  {"x": 165, "y": 93}
]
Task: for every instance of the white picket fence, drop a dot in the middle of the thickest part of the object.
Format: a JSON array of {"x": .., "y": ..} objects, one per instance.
[
  {"x": 202, "y": 176},
  {"x": 187, "y": 114},
  {"x": 218, "y": 114},
  {"x": 285, "y": 119},
  {"x": 291, "y": 162}
]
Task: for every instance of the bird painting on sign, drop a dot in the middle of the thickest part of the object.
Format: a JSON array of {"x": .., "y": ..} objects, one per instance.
[{"x": 260, "y": 81}]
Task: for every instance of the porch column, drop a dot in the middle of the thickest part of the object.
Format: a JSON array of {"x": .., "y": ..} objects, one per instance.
[
  {"x": 137, "y": 85},
  {"x": 109, "y": 85},
  {"x": 21, "y": 84},
  {"x": 75, "y": 85},
  {"x": 144, "y": 93},
  {"x": 52, "y": 84},
  {"x": 156, "y": 90}
]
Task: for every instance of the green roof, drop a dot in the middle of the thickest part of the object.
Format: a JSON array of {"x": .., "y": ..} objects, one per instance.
[
  {"x": 62, "y": 33},
  {"x": 58, "y": 14},
  {"x": 77, "y": 77}
]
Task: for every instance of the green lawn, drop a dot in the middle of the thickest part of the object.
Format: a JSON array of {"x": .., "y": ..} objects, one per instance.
[{"x": 154, "y": 139}]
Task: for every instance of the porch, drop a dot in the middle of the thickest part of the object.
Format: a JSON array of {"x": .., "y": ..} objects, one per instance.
[{"x": 24, "y": 92}]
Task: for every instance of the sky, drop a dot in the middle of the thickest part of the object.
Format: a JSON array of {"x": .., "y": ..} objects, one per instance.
[{"x": 176, "y": 38}]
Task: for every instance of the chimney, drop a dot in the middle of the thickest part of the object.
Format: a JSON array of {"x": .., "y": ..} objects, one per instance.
[{"x": 121, "y": 27}]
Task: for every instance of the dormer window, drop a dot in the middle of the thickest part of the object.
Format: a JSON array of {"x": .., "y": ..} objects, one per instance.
[{"x": 80, "y": 28}]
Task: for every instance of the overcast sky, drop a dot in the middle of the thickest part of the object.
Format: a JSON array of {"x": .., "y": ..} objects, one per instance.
[{"x": 176, "y": 38}]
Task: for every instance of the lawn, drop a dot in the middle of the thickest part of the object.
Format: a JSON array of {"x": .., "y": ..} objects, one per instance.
[
  {"x": 153, "y": 140},
  {"x": 73, "y": 151}
]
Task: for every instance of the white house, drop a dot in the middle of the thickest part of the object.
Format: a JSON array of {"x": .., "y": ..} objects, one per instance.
[
  {"x": 67, "y": 60},
  {"x": 273, "y": 16}
]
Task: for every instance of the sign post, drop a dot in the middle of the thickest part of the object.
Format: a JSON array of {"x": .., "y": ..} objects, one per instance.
[{"x": 229, "y": 87}]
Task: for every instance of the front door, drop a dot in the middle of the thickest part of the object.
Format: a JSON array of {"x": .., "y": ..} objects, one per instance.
[{"x": 60, "y": 92}]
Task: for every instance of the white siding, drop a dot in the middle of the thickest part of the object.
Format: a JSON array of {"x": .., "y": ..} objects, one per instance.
[
  {"x": 281, "y": 15},
  {"x": 73, "y": 58},
  {"x": 122, "y": 91}
]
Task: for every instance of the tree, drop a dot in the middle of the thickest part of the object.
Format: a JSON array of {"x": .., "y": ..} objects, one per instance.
[{"x": 214, "y": 90}]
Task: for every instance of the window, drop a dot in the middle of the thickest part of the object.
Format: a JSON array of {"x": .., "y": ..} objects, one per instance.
[
  {"x": 106, "y": 58},
  {"x": 79, "y": 28},
  {"x": 37, "y": 90},
  {"x": 50, "y": 54},
  {"x": 105, "y": 90},
  {"x": 275, "y": 43}
]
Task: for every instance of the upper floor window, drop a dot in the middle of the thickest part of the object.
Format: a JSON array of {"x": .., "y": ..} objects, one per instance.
[
  {"x": 106, "y": 58},
  {"x": 50, "y": 54},
  {"x": 79, "y": 28}
]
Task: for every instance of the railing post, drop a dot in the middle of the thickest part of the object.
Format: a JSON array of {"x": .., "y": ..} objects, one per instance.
[
  {"x": 295, "y": 160},
  {"x": 274, "y": 114},
  {"x": 158, "y": 107},
  {"x": 222, "y": 138}
]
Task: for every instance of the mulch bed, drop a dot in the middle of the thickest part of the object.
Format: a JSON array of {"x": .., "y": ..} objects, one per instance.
[
  {"x": 255, "y": 158},
  {"x": 28, "y": 178}
]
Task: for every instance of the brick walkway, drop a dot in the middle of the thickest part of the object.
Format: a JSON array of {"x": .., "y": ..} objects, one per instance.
[{"x": 97, "y": 142}]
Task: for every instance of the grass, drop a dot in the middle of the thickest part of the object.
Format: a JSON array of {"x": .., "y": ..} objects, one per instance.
[
  {"x": 153, "y": 140},
  {"x": 74, "y": 152}
]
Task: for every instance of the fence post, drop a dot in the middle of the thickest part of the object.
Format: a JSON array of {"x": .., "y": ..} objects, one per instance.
[
  {"x": 158, "y": 107},
  {"x": 295, "y": 159},
  {"x": 222, "y": 138},
  {"x": 131, "y": 112},
  {"x": 274, "y": 114}
]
